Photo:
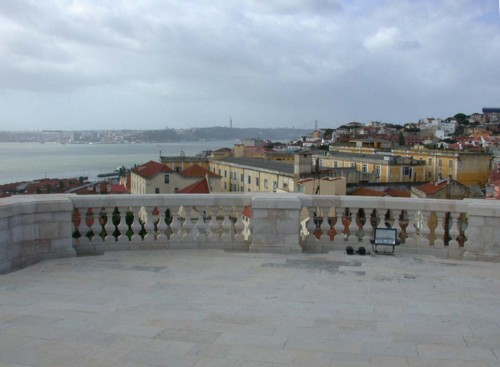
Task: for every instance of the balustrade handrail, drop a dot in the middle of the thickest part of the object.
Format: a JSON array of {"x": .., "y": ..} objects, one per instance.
[{"x": 34, "y": 227}]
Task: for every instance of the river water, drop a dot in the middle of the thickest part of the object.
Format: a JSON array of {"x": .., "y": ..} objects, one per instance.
[{"x": 30, "y": 161}]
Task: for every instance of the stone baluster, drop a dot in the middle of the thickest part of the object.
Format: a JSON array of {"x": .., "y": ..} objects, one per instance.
[
  {"x": 189, "y": 229},
  {"x": 76, "y": 220},
  {"x": 365, "y": 229},
  {"x": 214, "y": 226},
  {"x": 152, "y": 215},
  {"x": 389, "y": 219},
  {"x": 122, "y": 226},
  {"x": 239, "y": 226},
  {"x": 396, "y": 221},
  {"x": 91, "y": 233},
  {"x": 201, "y": 236},
  {"x": 161, "y": 227},
  {"x": 353, "y": 225},
  {"x": 439, "y": 230},
  {"x": 106, "y": 221},
  {"x": 380, "y": 215},
  {"x": 250, "y": 230},
  {"x": 311, "y": 240},
  {"x": 226, "y": 236},
  {"x": 410, "y": 239},
  {"x": 423, "y": 240},
  {"x": 454, "y": 231},
  {"x": 339, "y": 225},
  {"x": 139, "y": 214},
  {"x": 325, "y": 226},
  {"x": 175, "y": 227}
]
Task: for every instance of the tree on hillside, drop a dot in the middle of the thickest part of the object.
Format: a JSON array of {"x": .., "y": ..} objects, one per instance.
[
  {"x": 461, "y": 119},
  {"x": 401, "y": 138}
]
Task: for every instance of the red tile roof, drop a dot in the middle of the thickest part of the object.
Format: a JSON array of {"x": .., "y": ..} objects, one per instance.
[
  {"x": 197, "y": 171},
  {"x": 363, "y": 191},
  {"x": 398, "y": 193},
  {"x": 431, "y": 187},
  {"x": 151, "y": 169},
  {"x": 199, "y": 187},
  {"x": 118, "y": 189}
]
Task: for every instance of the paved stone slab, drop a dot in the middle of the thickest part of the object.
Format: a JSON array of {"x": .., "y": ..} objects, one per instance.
[{"x": 212, "y": 308}]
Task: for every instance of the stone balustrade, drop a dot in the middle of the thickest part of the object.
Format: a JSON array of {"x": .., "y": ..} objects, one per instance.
[{"x": 33, "y": 228}]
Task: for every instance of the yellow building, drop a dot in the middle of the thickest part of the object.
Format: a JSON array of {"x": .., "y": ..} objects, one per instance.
[
  {"x": 383, "y": 168},
  {"x": 322, "y": 186},
  {"x": 181, "y": 162},
  {"x": 157, "y": 178},
  {"x": 468, "y": 168},
  {"x": 252, "y": 174}
]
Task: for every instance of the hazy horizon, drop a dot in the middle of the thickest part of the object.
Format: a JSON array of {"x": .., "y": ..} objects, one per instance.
[{"x": 147, "y": 65}]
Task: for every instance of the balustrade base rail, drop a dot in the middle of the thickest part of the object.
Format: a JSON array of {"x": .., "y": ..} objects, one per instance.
[{"x": 41, "y": 226}]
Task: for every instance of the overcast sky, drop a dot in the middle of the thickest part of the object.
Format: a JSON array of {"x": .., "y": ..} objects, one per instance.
[{"x": 140, "y": 64}]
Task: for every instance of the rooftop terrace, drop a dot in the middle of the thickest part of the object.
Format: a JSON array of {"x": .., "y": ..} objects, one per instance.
[
  {"x": 216, "y": 308},
  {"x": 289, "y": 296}
]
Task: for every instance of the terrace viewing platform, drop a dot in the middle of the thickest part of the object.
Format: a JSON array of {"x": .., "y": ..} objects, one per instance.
[{"x": 284, "y": 293}]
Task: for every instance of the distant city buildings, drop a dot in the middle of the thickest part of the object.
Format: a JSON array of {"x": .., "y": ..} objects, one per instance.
[{"x": 433, "y": 157}]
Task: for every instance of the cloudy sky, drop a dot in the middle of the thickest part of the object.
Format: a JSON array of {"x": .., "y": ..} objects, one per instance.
[{"x": 97, "y": 64}]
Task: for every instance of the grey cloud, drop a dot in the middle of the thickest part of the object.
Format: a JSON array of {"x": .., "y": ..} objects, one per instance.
[{"x": 265, "y": 62}]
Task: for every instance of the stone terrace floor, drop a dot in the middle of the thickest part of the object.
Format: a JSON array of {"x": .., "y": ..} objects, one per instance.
[{"x": 213, "y": 308}]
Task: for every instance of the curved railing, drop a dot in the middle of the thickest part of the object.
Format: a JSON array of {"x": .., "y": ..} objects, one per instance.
[{"x": 33, "y": 228}]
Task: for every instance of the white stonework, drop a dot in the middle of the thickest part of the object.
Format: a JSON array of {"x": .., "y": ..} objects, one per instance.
[{"x": 33, "y": 228}]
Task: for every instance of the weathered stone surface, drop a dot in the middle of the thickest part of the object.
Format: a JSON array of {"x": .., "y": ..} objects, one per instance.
[{"x": 210, "y": 307}]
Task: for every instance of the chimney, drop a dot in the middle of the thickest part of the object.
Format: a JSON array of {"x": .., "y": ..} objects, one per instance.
[{"x": 302, "y": 164}]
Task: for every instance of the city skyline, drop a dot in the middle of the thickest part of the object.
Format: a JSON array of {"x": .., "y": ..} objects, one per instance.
[{"x": 77, "y": 65}]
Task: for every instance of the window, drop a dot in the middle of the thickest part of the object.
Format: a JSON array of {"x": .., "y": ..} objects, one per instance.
[
  {"x": 335, "y": 164},
  {"x": 176, "y": 189},
  {"x": 225, "y": 173},
  {"x": 166, "y": 179},
  {"x": 256, "y": 181},
  {"x": 275, "y": 185},
  {"x": 177, "y": 169},
  {"x": 225, "y": 185},
  {"x": 266, "y": 184},
  {"x": 377, "y": 170},
  {"x": 450, "y": 164},
  {"x": 249, "y": 180},
  {"x": 430, "y": 161},
  {"x": 407, "y": 171},
  {"x": 353, "y": 165},
  {"x": 364, "y": 168},
  {"x": 157, "y": 190},
  {"x": 440, "y": 163},
  {"x": 242, "y": 178}
]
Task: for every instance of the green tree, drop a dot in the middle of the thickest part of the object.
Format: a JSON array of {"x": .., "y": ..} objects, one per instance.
[
  {"x": 401, "y": 138},
  {"x": 461, "y": 118}
]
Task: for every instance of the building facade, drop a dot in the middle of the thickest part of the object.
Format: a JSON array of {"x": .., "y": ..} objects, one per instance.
[
  {"x": 157, "y": 178},
  {"x": 384, "y": 168},
  {"x": 253, "y": 175},
  {"x": 468, "y": 168}
]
